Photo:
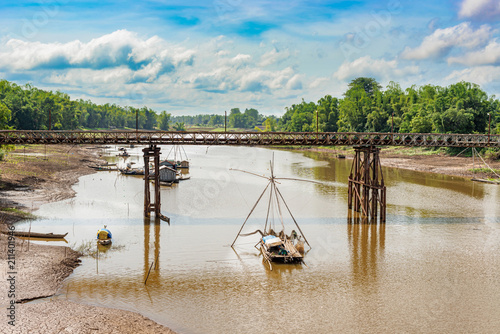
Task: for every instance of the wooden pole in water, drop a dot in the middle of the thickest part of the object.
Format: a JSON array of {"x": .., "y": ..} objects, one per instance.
[
  {"x": 157, "y": 204},
  {"x": 147, "y": 194},
  {"x": 149, "y": 272},
  {"x": 473, "y": 169}
]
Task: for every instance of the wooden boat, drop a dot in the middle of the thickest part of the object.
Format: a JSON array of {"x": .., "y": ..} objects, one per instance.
[
  {"x": 25, "y": 234},
  {"x": 180, "y": 158},
  {"x": 277, "y": 247},
  {"x": 132, "y": 171},
  {"x": 104, "y": 168}
]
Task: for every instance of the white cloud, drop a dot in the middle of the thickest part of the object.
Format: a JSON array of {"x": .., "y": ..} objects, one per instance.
[
  {"x": 480, "y": 75},
  {"x": 248, "y": 79},
  {"x": 240, "y": 60},
  {"x": 379, "y": 68},
  {"x": 442, "y": 40},
  {"x": 274, "y": 56},
  {"x": 479, "y": 9},
  {"x": 295, "y": 82},
  {"x": 319, "y": 82},
  {"x": 149, "y": 57},
  {"x": 125, "y": 68},
  {"x": 489, "y": 55}
]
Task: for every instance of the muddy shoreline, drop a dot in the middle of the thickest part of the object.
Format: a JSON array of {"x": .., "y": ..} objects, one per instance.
[
  {"x": 32, "y": 176},
  {"x": 419, "y": 160}
]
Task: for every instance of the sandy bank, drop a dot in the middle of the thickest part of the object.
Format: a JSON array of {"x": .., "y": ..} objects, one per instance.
[
  {"x": 30, "y": 177},
  {"x": 419, "y": 160}
]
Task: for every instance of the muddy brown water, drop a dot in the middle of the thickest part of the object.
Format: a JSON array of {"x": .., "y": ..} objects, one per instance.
[{"x": 434, "y": 267}]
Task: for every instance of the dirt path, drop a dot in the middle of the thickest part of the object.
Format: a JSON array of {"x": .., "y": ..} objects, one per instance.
[{"x": 30, "y": 177}]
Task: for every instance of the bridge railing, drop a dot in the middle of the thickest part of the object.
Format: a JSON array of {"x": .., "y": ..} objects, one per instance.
[{"x": 247, "y": 138}]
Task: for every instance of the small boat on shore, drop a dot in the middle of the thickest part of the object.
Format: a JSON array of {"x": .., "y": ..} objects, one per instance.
[
  {"x": 25, "y": 234},
  {"x": 132, "y": 171},
  {"x": 104, "y": 236}
]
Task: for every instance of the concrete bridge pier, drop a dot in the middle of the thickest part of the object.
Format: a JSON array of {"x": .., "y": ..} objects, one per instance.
[
  {"x": 367, "y": 192},
  {"x": 152, "y": 152}
]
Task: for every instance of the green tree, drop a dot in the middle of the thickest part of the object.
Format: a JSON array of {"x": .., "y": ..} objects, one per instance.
[
  {"x": 179, "y": 127},
  {"x": 163, "y": 120},
  {"x": 5, "y": 116},
  {"x": 369, "y": 85},
  {"x": 270, "y": 124}
]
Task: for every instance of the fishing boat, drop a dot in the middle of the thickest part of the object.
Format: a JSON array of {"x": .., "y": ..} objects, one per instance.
[
  {"x": 179, "y": 160},
  {"x": 277, "y": 247},
  {"x": 131, "y": 171},
  {"x": 104, "y": 236},
  {"x": 25, "y": 234}
]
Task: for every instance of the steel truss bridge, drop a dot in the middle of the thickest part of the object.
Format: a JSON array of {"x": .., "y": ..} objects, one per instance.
[{"x": 142, "y": 137}]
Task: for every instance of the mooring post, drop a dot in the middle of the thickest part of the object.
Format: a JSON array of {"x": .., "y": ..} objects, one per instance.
[
  {"x": 152, "y": 152},
  {"x": 366, "y": 189},
  {"x": 147, "y": 193}
]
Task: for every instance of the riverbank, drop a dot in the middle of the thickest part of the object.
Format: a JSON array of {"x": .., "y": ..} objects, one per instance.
[
  {"x": 32, "y": 176},
  {"x": 420, "y": 159}
]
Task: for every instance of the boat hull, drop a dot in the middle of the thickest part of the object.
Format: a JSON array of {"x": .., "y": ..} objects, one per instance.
[
  {"x": 36, "y": 235},
  {"x": 104, "y": 241},
  {"x": 281, "y": 252}
]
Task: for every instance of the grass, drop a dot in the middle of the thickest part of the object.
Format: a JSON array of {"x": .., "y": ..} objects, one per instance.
[
  {"x": 412, "y": 151},
  {"x": 89, "y": 248},
  {"x": 484, "y": 170},
  {"x": 17, "y": 212}
]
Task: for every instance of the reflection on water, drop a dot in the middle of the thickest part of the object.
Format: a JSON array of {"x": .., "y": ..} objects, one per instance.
[
  {"x": 367, "y": 244},
  {"x": 156, "y": 248},
  {"x": 433, "y": 267}
]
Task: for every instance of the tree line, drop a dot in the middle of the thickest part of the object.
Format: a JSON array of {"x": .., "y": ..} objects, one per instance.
[
  {"x": 29, "y": 108},
  {"x": 365, "y": 107},
  {"x": 248, "y": 119},
  {"x": 459, "y": 108}
]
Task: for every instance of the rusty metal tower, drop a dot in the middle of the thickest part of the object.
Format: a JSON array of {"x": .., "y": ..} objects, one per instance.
[
  {"x": 367, "y": 192},
  {"x": 152, "y": 152}
]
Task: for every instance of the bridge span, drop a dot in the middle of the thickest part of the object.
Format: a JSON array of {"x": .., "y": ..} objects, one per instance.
[
  {"x": 143, "y": 137},
  {"x": 366, "y": 188}
]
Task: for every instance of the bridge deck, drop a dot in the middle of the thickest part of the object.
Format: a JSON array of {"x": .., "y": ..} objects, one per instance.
[{"x": 19, "y": 137}]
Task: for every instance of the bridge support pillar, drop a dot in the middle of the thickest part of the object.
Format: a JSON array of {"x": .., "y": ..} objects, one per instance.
[
  {"x": 367, "y": 192},
  {"x": 152, "y": 152}
]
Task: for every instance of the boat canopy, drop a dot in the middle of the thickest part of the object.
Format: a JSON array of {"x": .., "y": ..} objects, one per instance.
[
  {"x": 103, "y": 234},
  {"x": 271, "y": 240}
]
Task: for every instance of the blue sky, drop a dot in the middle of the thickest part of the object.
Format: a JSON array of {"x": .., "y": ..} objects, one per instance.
[{"x": 191, "y": 57}]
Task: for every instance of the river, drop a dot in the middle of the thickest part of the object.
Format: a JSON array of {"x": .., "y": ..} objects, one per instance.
[{"x": 433, "y": 267}]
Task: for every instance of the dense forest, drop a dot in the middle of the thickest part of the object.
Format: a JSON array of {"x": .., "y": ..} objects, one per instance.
[
  {"x": 248, "y": 119},
  {"x": 29, "y": 108},
  {"x": 365, "y": 107},
  {"x": 460, "y": 108}
]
